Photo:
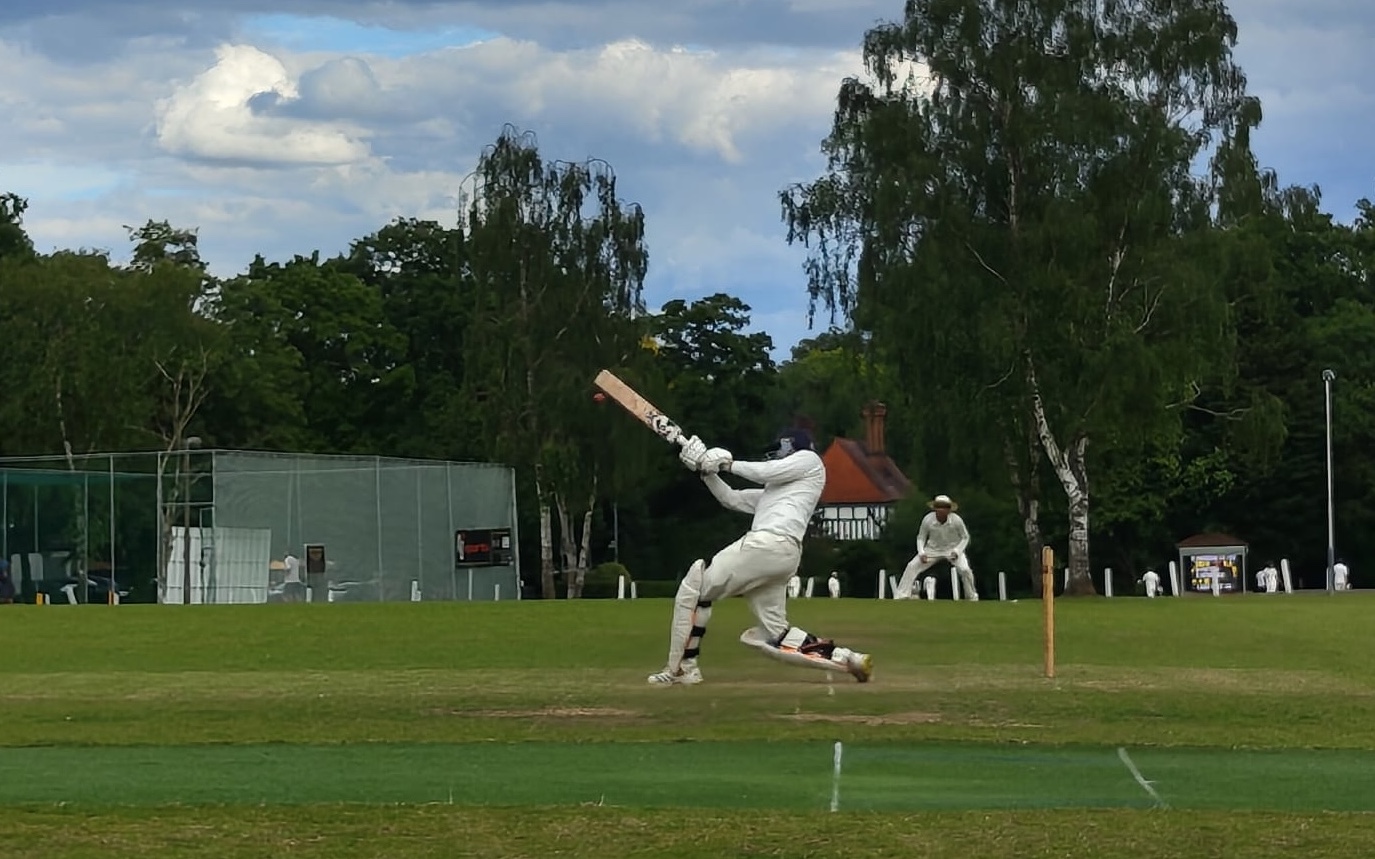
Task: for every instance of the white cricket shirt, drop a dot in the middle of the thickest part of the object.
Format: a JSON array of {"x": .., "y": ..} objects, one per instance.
[
  {"x": 942, "y": 538},
  {"x": 792, "y": 488}
]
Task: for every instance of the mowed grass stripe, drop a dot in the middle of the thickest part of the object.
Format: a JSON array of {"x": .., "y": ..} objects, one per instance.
[
  {"x": 1247, "y": 671},
  {"x": 1265, "y": 633},
  {"x": 785, "y": 775},
  {"x": 444, "y": 832}
]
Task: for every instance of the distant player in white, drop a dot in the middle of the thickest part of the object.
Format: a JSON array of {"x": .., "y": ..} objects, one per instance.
[
  {"x": 833, "y": 585},
  {"x": 942, "y": 537},
  {"x": 795, "y": 587},
  {"x": 1269, "y": 579},
  {"x": 1152, "y": 580},
  {"x": 292, "y": 586},
  {"x": 759, "y": 565},
  {"x": 1341, "y": 576}
]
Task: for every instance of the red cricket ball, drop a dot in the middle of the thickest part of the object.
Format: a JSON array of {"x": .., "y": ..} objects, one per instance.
[{"x": 599, "y": 397}]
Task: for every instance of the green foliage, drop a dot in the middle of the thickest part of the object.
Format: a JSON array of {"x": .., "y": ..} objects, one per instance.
[
  {"x": 478, "y": 340},
  {"x": 1020, "y": 230},
  {"x": 14, "y": 242},
  {"x": 602, "y": 581},
  {"x": 656, "y": 588}
]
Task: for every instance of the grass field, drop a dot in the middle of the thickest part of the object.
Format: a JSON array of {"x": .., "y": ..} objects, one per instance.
[{"x": 1238, "y": 727}]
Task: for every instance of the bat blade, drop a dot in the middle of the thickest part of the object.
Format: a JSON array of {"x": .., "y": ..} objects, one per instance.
[{"x": 642, "y": 409}]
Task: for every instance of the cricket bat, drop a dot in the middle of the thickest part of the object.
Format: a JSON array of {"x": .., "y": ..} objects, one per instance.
[{"x": 649, "y": 415}]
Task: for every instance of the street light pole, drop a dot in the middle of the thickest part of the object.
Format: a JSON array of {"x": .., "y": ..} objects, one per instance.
[{"x": 1327, "y": 377}]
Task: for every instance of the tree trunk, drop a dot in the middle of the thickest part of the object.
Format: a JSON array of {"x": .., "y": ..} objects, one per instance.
[
  {"x": 568, "y": 548},
  {"x": 1026, "y": 484},
  {"x": 1070, "y": 468},
  {"x": 585, "y": 549},
  {"x": 78, "y": 556},
  {"x": 1080, "y": 574},
  {"x": 546, "y": 543},
  {"x": 577, "y": 548}
]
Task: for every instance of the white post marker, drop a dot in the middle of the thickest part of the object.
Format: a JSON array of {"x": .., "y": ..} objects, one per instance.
[
  {"x": 1284, "y": 573},
  {"x": 634, "y": 592},
  {"x": 1174, "y": 579},
  {"x": 1066, "y": 578},
  {"x": 1107, "y": 581},
  {"x": 496, "y": 592},
  {"x": 954, "y": 585},
  {"x": 1002, "y": 586},
  {"x": 620, "y": 587},
  {"x": 415, "y": 591},
  {"x": 882, "y": 582},
  {"x": 1217, "y": 585},
  {"x": 811, "y": 583},
  {"x": 835, "y": 777},
  {"x": 893, "y": 586}
]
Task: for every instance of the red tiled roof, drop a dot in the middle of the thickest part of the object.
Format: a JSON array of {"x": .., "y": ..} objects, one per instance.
[
  {"x": 1209, "y": 541},
  {"x": 856, "y": 476}
]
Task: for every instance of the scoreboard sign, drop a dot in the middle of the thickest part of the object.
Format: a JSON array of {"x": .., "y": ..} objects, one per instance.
[
  {"x": 1226, "y": 569},
  {"x": 483, "y": 547}
]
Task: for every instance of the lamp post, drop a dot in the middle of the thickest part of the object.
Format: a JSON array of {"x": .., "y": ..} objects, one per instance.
[
  {"x": 1327, "y": 377},
  {"x": 192, "y": 442}
]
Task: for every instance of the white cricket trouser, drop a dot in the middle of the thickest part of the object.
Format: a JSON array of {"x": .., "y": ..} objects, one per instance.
[
  {"x": 1152, "y": 588},
  {"x": 757, "y": 567},
  {"x": 915, "y": 568}
]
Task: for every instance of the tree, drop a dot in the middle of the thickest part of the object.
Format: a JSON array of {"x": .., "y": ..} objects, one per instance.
[
  {"x": 14, "y": 242},
  {"x": 721, "y": 376},
  {"x": 830, "y": 378},
  {"x": 158, "y": 242},
  {"x": 306, "y": 331},
  {"x": 1019, "y": 225},
  {"x": 416, "y": 268},
  {"x": 556, "y": 265}
]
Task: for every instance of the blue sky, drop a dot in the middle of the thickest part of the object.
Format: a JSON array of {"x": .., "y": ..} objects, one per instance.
[{"x": 122, "y": 110}]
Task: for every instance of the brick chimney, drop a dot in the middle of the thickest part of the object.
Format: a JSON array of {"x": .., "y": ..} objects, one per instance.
[{"x": 874, "y": 413}]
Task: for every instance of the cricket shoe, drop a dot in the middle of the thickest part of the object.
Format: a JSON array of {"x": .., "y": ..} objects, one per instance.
[
  {"x": 683, "y": 677},
  {"x": 860, "y": 665}
]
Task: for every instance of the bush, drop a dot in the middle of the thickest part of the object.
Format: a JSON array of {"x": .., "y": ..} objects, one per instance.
[
  {"x": 858, "y": 562},
  {"x": 602, "y": 580}
]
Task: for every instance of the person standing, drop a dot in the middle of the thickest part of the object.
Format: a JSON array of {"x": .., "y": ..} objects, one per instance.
[
  {"x": 1341, "y": 576},
  {"x": 1152, "y": 582},
  {"x": 293, "y": 589},
  {"x": 942, "y": 537}
]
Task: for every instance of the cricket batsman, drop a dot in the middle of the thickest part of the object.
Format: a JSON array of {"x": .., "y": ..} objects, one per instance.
[
  {"x": 941, "y": 537},
  {"x": 759, "y": 564}
]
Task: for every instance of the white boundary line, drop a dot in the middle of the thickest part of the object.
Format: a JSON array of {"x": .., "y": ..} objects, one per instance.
[
  {"x": 1140, "y": 779},
  {"x": 835, "y": 779}
]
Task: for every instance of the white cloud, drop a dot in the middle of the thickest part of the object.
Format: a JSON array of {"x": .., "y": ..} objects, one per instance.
[
  {"x": 212, "y": 117},
  {"x": 283, "y": 140}
]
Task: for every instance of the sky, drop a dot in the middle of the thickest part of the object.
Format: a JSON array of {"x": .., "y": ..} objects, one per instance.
[{"x": 287, "y": 126}]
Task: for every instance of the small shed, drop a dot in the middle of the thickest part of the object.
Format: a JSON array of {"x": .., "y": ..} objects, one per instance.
[{"x": 1205, "y": 557}]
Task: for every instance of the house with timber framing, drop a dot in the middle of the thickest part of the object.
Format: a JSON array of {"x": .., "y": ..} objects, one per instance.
[{"x": 863, "y": 483}]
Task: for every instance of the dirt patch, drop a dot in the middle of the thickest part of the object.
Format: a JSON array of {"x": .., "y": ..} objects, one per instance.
[
  {"x": 862, "y": 719},
  {"x": 543, "y": 713}
]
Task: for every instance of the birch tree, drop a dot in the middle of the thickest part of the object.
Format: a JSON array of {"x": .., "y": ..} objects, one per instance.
[
  {"x": 1011, "y": 207},
  {"x": 556, "y": 263}
]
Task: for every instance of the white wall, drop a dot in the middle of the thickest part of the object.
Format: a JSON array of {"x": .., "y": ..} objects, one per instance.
[{"x": 236, "y": 565}]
